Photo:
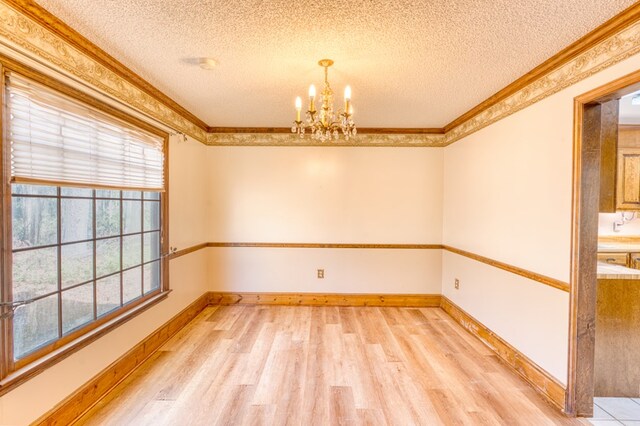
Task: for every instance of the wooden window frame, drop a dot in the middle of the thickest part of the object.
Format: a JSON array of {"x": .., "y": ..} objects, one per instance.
[
  {"x": 14, "y": 373},
  {"x": 16, "y": 364}
]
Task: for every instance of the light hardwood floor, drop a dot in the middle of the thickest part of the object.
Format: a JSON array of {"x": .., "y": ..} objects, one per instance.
[{"x": 276, "y": 365}]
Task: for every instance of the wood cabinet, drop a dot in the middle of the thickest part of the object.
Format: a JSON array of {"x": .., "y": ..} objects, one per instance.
[
  {"x": 608, "y": 135},
  {"x": 628, "y": 181},
  {"x": 621, "y": 259},
  {"x": 634, "y": 260},
  {"x": 617, "y": 343}
]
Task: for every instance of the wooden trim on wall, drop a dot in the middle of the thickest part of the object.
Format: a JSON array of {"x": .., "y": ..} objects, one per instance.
[
  {"x": 328, "y": 245},
  {"x": 609, "y": 127},
  {"x": 88, "y": 395},
  {"x": 77, "y": 40},
  {"x": 27, "y": 373},
  {"x": 545, "y": 384},
  {"x": 612, "y": 26},
  {"x": 401, "y": 131},
  {"x": 552, "y": 282},
  {"x": 65, "y": 33},
  {"x": 12, "y": 66},
  {"x": 584, "y": 239},
  {"x": 267, "y": 130},
  {"x": 164, "y": 219},
  {"x": 318, "y": 299},
  {"x": 83, "y": 399},
  {"x": 200, "y": 246},
  {"x": 392, "y": 140},
  {"x": 14, "y": 373},
  {"x": 362, "y": 130},
  {"x": 6, "y": 245},
  {"x": 613, "y": 90},
  {"x": 186, "y": 251}
]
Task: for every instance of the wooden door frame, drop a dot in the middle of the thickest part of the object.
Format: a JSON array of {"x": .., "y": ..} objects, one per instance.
[{"x": 584, "y": 240}]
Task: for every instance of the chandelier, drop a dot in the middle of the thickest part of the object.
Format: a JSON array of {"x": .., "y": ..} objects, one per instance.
[{"x": 324, "y": 124}]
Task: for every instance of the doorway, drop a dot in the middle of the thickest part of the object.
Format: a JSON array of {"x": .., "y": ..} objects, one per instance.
[{"x": 594, "y": 181}]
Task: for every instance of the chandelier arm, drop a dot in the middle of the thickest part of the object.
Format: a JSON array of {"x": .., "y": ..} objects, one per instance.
[{"x": 325, "y": 124}]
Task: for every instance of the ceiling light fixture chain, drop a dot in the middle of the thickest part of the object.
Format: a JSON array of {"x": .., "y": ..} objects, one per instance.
[{"x": 325, "y": 125}]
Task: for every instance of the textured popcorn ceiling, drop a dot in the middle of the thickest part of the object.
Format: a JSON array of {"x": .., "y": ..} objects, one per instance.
[{"x": 417, "y": 63}]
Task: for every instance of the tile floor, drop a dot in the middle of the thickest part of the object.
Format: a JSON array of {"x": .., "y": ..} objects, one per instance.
[{"x": 616, "y": 411}]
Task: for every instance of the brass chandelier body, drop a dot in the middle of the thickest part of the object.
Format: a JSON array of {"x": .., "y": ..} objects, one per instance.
[{"x": 324, "y": 124}]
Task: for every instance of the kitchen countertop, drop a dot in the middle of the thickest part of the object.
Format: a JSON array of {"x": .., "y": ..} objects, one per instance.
[
  {"x": 618, "y": 247},
  {"x": 607, "y": 271}
]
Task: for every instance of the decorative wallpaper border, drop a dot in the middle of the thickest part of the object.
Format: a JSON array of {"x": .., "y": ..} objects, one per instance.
[
  {"x": 24, "y": 34},
  {"x": 27, "y": 36},
  {"x": 610, "y": 51},
  {"x": 284, "y": 139}
]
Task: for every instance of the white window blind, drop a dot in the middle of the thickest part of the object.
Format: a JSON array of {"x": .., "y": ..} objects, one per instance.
[{"x": 57, "y": 139}]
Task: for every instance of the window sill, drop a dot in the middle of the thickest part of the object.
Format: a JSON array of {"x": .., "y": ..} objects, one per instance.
[{"x": 24, "y": 374}]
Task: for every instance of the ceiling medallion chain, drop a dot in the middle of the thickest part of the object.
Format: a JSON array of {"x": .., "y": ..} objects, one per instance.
[{"x": 324, "y": 124}]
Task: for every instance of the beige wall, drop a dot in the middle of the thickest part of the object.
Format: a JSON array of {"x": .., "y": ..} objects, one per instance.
[
  {"x": 325, "y": 195},
  {"x": 188, "y": 206},
  {"x": 503, "y": 192},
  {"x": 508, "y": 197},
  {"x": 188, "y": 277},
  {"x": 321, "y": 194},
  {"x": 377, "y": 271}
]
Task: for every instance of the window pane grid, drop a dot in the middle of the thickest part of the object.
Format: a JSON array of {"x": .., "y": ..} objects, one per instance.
[
  {"x": 69, "y": 243},
  {"x": 77, "y": 304},
  {"x": 95, "y": 261},
  {"x": 142, "y": 246},
  {"x": 75, "y": 197},
  {"x": 45, "y": 295},
  {"x": 146, "y": 195},
  {"x": 59, "y": 252},
  {"x": 121, "y": 251}
]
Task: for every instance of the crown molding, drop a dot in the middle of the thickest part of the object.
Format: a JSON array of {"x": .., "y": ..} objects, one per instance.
[
  {"x": 211, "y": 129},
  {"x": 55, "y": 25},
  {"x": 29, "y": 29},
  {"x": 361, "y": 130},
  {"x": 23, "y": 33},
  {"x": 289, "y": 139},
  {"x": 609, "y": 44},
  {"x": 614, "y": 25}
]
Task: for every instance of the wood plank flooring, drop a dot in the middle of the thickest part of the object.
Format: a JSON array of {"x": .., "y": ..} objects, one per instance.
[{"x": 300, "y": 365}]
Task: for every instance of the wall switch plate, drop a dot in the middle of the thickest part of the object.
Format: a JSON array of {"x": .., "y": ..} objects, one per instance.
[
  {"x": 320, "y": 273},
  {"x": 456, "y": 284}
]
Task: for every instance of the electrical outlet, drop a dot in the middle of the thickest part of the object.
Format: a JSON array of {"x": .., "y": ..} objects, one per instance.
[
  {"x": 320, "y": 273},
  {"x": 456, "y": 284}
]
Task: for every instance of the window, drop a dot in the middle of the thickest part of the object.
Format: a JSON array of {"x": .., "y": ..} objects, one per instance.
[{"x": 86, "y": 218}]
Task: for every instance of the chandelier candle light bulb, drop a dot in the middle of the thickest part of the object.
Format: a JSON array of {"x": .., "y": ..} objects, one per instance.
[
  {"x": 325, "y": 125},
  {"x": 298, "y": 108},
  {"x": 312, "y": 97},
  {"x": 347, "y": 98}
]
